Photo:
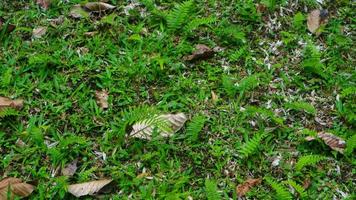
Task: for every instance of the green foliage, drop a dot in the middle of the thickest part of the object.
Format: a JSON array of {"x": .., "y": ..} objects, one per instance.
[
  {"x": 312, "y": 62},
  {"x": 196, "y": 23},
  {"x": 179, "y": 16},
  {"x": 350, "y": 144},
  {"x": 308, "y": 160},
  {"x": 281, "y": 192},
  {"x": 298, "y": 21},
  {"x": 301, "y": 106},
  {"x": 252, "y": 145},
  {"x": 211, "y": 190},
  {"x": 264, "y": 113},
  {"x": 346, "y": 105},
  {"x": 302, "y": 193},
  {"x": 6, "y": 112},
  {"x": 195, "y": 126}
]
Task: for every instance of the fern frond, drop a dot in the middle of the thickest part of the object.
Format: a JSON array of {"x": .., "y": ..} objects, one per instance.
[
  {"x": 308, "y": 160},
  {"x": 298, "y": 188},
  {"x": 301, "y": 106},
  {"x": 132, "y": 115},
  {"x": 195, "y": 126},
  {"x": 211, "y": 190},
  {"x": 350, "y": 144},
  {"x": 195, "y": 23},
  {"x": 251, "y": 146},
  {"x": 281, "y": 192},
  {"x": 179, "y": 16},
  {"x": 6, "y": 112}
]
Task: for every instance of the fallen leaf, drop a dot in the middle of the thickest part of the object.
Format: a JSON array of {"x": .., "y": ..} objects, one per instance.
[
  {"x": 78, "y": 12},
  {"x": 57, "y": 21},
  {"x": 315, "y": 19},
  {"x": 214, "y": 97},
  {"x": 102, "y": 98},
  {"x": 70, "y": 169},
  {"x": 8, "y": 103},
  {"x": 334, "y": 142},
  {"x": 9, "y": 27},
  {"x": 14, "y": 187},
  {"x": 201, "y": 52},
  {"x": 44, "y": 3},
  {"x": 91, "y": 34},
  {"x": 246, "y": 186},
  {"x": 306, "y": 183},
  {"x": 98, "y": 6},
  {"x": 39, "y": 32},
  {"x": 87, "y": 188},
  {"x": 144, "y": 129}
]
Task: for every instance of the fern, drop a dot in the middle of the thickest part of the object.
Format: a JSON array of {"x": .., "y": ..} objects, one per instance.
[
  {"x": 281, "y": 192},
  {"x": 6, "y": 112},
  {"x": 195, "y": 23},
  {"x": 350, "y": 144},
  {"x": 211, "y": 190},
  {"x": 179, "y": 16},
  {"x": 308, "y": 160},
  {"x": 298, "y": 188},
  {"x": 143, "y": 114},
  {"x": 195, "y": 126},
  {"x": 251, "y": 146},
  {"x": 301, "y": 106},
  {"x": 312, "y": 62}
]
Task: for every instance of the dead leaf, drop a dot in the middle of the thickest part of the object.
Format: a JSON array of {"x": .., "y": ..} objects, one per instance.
[
  {"x": 44, "y": 3},
  {"x": 70, "y": 169},
  {"x": 201, "y": 52},
  {"x": 87, "y": 188},
  {"x": 98, "y": 6},
  {"x": 57, "y": 21},
  {"x": 91, "y": 34},
  {"x": 9, "y": 27},
  {"x": 144, "y": 130},
  {"x": 334, "y": 142},
  {"x": 306, "y": 183},
  {"x": 243, "y": 188},
  {"x": 102, "y": 98},
  {"x": 14, "y": 187},
  {"x": 39, "y": 32},
  {"x": 315, "y": 19},
  {"x": 214, "y": 97},
  {"x": 8, "y": 103},
  {"x": 78, "y": 12}
]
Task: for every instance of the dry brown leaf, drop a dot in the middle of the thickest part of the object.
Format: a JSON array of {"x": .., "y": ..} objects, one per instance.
[
  {"x": 306, "y": 183},
  {"x": 39, "y": 32},
  {"x": 214, "y": 97},
  {"x": 102, "y": 98},
  {"x": 144, "y": 130},
  {"x": 201, "y": 52},
  {"x": 87, "y": 188},
  {"x": 14, "y": 187},
  {"x": 70, "y": 169},
  {"x": 91, "y": 34},
  {"x": 243, "y": 188},
  {"x": 315, "y": 19},
  {"x": 44, "y": 3},
  {"x": 8, "y": 103},
  {"x": 334, "y": 142},
  {"x": 57, "y": 21},
  {"x": 98, "y": 6}
]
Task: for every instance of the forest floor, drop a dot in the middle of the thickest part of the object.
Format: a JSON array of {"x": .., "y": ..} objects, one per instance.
[{"x": 262, "y": 96}]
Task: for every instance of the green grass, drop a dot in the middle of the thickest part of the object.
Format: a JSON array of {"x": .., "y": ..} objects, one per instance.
[{"x": 271, "y": 81}]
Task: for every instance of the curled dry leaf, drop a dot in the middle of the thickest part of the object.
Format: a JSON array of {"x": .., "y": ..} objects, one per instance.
[
  {"x": 9, "y": 27},
  {"x": 102, "y": 98},
  {"x": 70, "y": 169},
  {"x": 201, "y": 52},
  {"x": 57, "y": 21},
  {"x": 8, "y": 103},
  {"x": 39, "y": 32},
  {"x": 214, "y": 97},
  {"x": 98, "y": 6},
  {"x": 87, "y": 188},
  {"x": 315, "y": 19},
  {"x": 243, "y": 188},
  {"x": 144, "y": 130},
  {"x": 334, "y": 142},
  {"x": 14, "y": 187},
  {"x": 44, "y": 3}
]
